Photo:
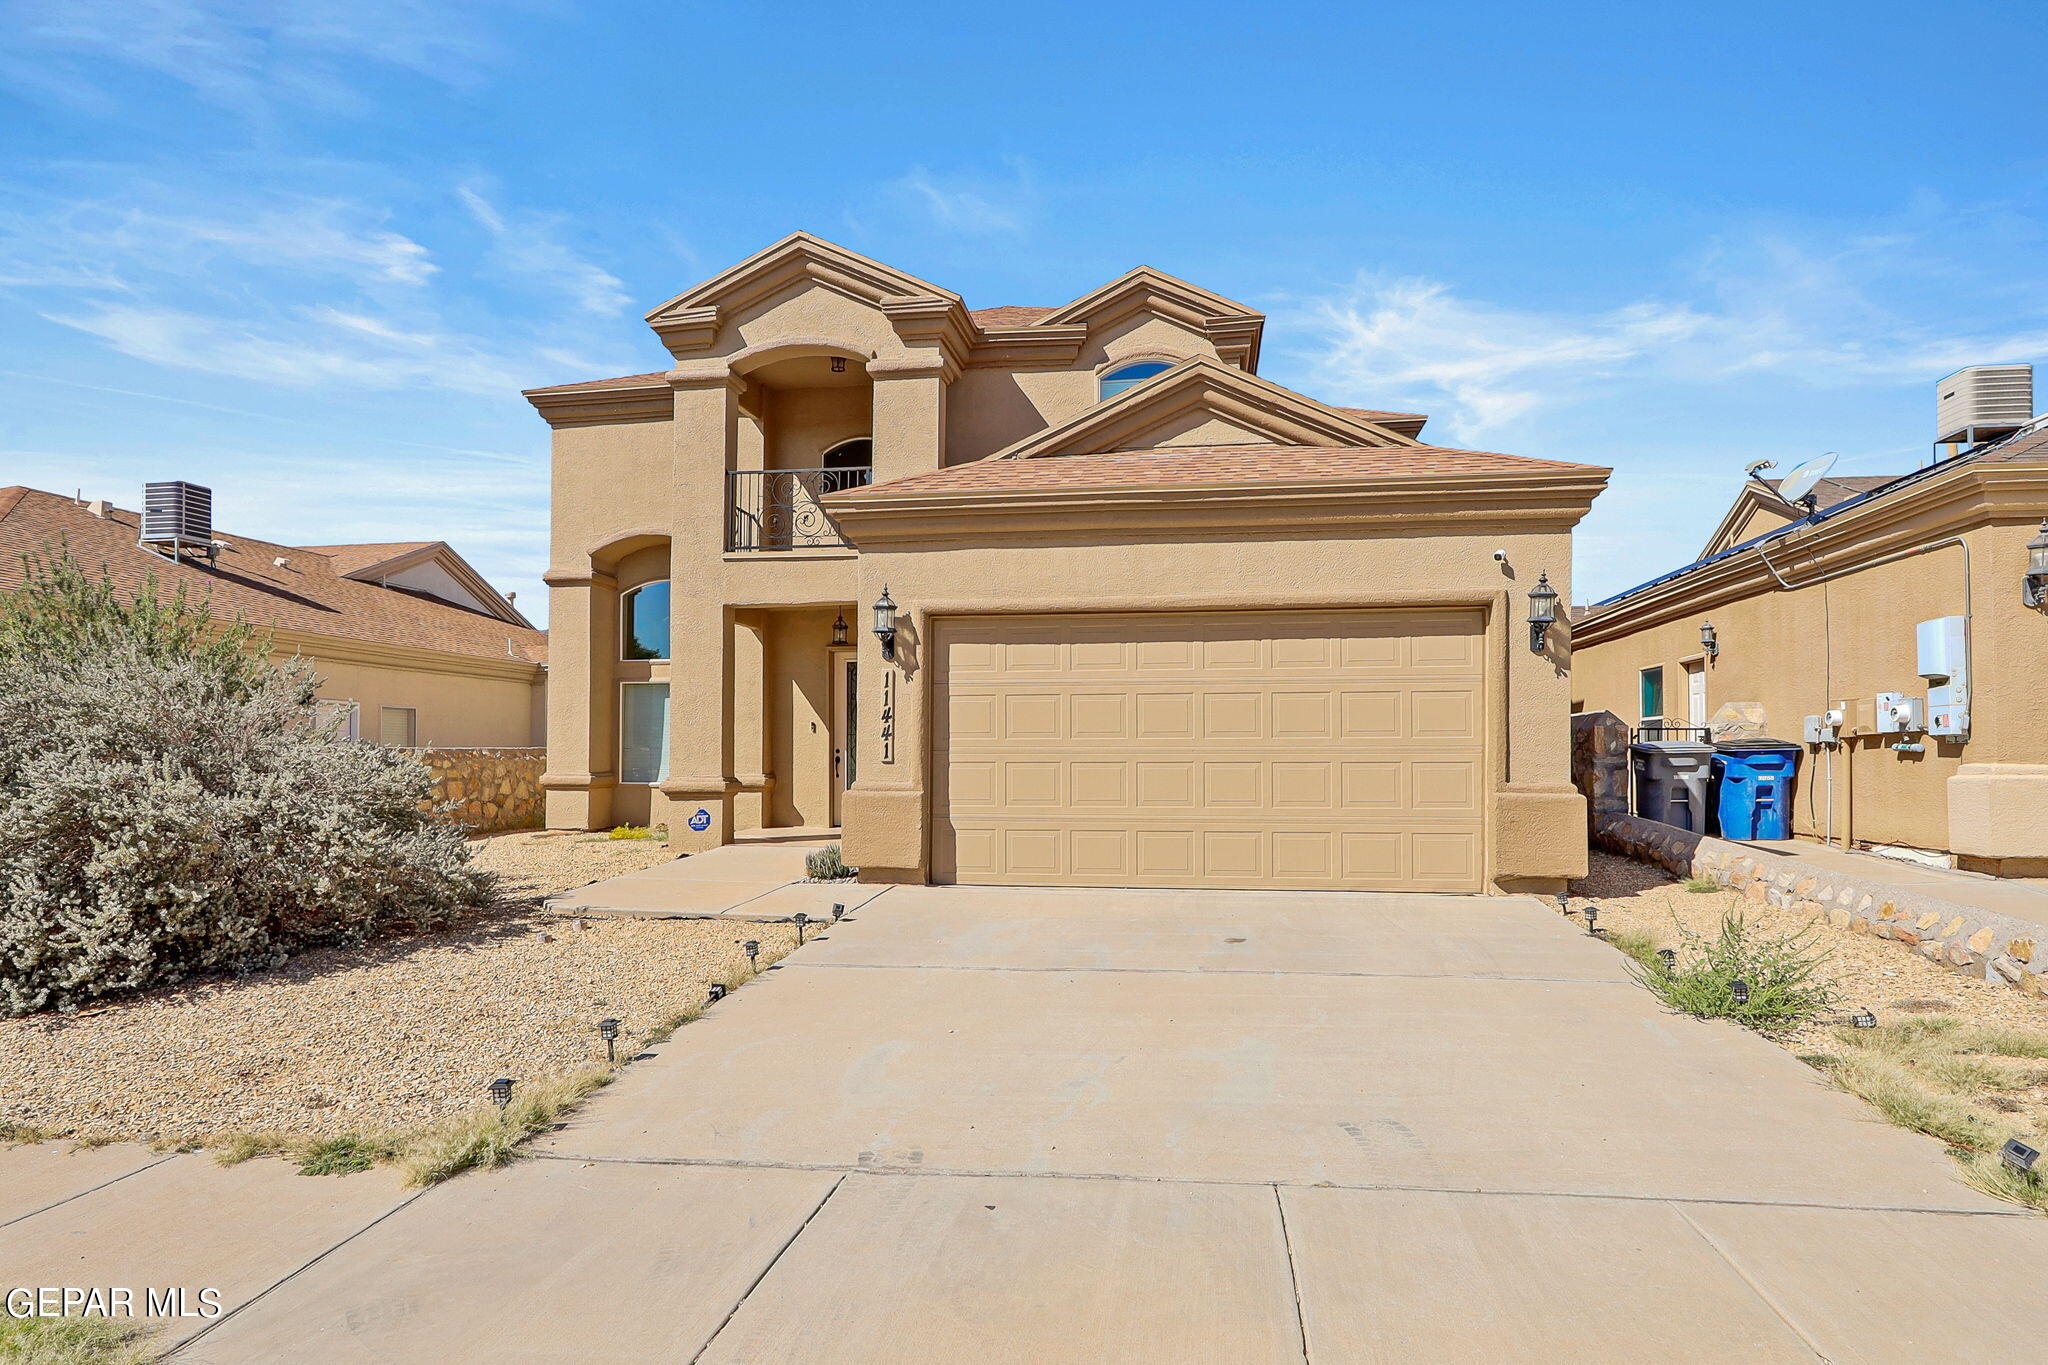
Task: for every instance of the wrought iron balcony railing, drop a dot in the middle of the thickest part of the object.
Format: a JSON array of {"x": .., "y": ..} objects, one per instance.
[{"x": 778, "y": 509}]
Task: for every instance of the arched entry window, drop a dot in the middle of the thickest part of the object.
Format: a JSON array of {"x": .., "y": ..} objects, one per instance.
[
  {"x": 643, "y": 621},
  {"x": 1123, "y": 376},
  {"x": 850, "y": 464}
]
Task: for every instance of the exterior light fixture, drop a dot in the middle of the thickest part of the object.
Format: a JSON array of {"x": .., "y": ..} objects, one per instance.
[
  {"x": 1669, "y": 958},
  {"x": 1542, "y": 612},
  {"x": 717, "y": 991},
  {"x": 501, "y": 1092},
  {"x": 1592, "y": 919},
  {"x": 608, "y": 1029},
  {"x": 1863, "y": 1019},
  {"x": 839, "y": 364},
  {"x": 752, "y": 948},
  {"x": 1710, "y": 645},
  {"x": 1564, "y": 903},
  {"x": 885, "y": 623},
  {"x": 839, "y": 629},
  {"x": 2018, "y": 1157},
  {"x": 838, "y": 911},
  {"x": 1740, "y": 990},
  {"x": 2036, "y": 590},
  {"x": 801, "y": 920}
]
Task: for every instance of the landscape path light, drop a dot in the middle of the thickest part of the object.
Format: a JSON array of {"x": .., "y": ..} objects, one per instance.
[
  {"x": 2018, "y": 1157},
  {"x": 752, "y": 948},
  {"x": 501, "y": 1092},
  {"x": 717, "y": 991},
  {"x": 608, "y": 1029}
]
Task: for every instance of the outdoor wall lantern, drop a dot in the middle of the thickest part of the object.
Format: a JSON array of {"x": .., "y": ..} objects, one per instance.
[
  {"x": 1710, "y": 644},
  {"x": 885, "y": 623},
  {"x": 839, "y": 629},
  {"x": 2037, "y": 567},
  {"x": 1542, "y": 612}
]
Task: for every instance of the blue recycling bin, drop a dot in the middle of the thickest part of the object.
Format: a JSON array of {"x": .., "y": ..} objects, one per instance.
[{"x": 1753, "y": 784}]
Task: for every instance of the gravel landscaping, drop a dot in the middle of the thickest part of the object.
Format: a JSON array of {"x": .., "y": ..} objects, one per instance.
[
  {"x": 395, "y": 1034},
  {"x": 1878, "y": 974}
]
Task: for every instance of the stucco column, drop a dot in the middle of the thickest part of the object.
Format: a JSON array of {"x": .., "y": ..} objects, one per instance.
[
  {"x": 580, "y": 773},
  {"x": 750, "y": 722},
  {"x": 909, "y": 416},
  {"x": 1539, "y": 814},
  {"x": 885, "y": 815},
  {"x": 699, "y": 786}
]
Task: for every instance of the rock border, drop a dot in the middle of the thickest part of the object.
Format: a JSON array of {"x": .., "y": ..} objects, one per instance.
[{"x": 1966, "y": 939}]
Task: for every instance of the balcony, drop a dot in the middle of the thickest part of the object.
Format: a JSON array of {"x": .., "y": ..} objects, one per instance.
[{"x": 778, "y": 509}]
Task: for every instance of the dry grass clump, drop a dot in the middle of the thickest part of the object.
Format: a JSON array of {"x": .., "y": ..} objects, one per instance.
[
  {"x": 73, "y": 1341},
  {"x": 1955, "y": 1082}
]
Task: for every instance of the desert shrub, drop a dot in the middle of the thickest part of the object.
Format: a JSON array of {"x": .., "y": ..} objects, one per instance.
[
  {"x": 170, "y": 801},
  {"x": 825, "y": 864},
  {"x": 1778, "y": 969},
  {"x": 630, "y": 832},
  {"x": 1700, "y": 886}
]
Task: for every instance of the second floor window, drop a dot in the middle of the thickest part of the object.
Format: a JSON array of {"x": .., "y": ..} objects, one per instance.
[
  {"x": 644, "y": 615},
  {"x": 1123, "y": 376}
]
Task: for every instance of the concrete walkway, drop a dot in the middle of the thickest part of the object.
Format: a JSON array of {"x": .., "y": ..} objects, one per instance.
[
  {"x": 753, "y": 880},
  {"x": 1028, "y": 1126}
]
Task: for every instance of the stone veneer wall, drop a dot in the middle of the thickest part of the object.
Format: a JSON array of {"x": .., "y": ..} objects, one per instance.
[
  {"x": 1600, "y": 764},
  {"x": 1962, "y": 938},
  {"x": 488, "y": 789}
]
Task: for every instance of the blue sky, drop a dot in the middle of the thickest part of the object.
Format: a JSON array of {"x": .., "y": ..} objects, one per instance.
[{"x": 311, "y": 259}]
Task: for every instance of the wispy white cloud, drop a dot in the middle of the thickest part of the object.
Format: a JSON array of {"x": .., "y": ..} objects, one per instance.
[
  {"x": 246, "y": 55},
  {"x": 529, "y": 246},
  {"x": 972, "y": 204},
  {"x": 310, "y": 291},
  {"x": 1875, "y": 307}
]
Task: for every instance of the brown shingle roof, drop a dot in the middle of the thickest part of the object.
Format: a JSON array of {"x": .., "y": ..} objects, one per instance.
[
  {"x": 1828, "y": 492},
  {"x": 1168, "y": 466},
  {"x": 624, "y": 381},
  {"x": 1381, "y": 415},
  {"x": 1008, "y": 315},
  {"x": 309, "y": 595},
  {"x": 348, "y": 559}
]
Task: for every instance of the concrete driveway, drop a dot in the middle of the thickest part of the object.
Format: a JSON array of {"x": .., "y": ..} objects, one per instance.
[{"x": 1028, "y": 1126}]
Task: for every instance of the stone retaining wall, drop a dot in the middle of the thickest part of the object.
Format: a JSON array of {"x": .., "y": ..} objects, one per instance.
[
  {"x": 488, "y": 789},
  {"x": 1600, "y": 764},
  {"x": 1963, "y": 938}
]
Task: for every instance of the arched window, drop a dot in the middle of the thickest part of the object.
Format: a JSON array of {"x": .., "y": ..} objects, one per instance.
[
  {"x": 1123, "y": 376},
  {"x": 858, "y": 453},
  {"x": 643, "y": 615}
]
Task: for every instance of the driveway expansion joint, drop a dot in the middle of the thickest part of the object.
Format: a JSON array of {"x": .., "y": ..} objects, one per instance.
[
  {"x": 951, "y": 1173},
  {"x": 113, "y": 1180},
  {"x": 766, "y": 1269},
  {"x": 1208, "y": 971},
  {"x": 1735, "y": 1268}
]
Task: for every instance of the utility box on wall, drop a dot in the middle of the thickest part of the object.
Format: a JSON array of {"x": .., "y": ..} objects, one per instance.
[{"x": 1944, "y": 652}]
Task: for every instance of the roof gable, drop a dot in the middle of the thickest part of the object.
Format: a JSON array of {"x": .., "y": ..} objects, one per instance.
[
  {"x": 1232, "y": 327},
  {"x": 688, "y": 322},
  {"x": 430, "y": 567},
  {"x": 1203, "y": 402}
]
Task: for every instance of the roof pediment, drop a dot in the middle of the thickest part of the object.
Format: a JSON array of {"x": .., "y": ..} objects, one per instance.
[
  {"x": 688, "y": 322},
  {"x": 1230, "y": 325},
  {"x": 1203, "y": 402}
]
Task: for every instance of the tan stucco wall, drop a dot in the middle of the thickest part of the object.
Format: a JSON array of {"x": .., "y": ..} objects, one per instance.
[
  {"x": 455, "y": 711},
  {"x": 1538, "y": 817},
  {"x": 1796, "y": 652},
  {"x": 799, "y": 710}
]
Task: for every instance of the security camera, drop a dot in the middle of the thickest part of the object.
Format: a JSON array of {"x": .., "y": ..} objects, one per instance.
[{"x": 1500, "y": 556}]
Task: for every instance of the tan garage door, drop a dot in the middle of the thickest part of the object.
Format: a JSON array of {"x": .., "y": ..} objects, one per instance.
[{"x": 1226, "y": 749}]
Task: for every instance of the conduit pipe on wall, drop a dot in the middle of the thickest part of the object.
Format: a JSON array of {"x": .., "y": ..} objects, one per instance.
[{"x": 1827, "y": 632}]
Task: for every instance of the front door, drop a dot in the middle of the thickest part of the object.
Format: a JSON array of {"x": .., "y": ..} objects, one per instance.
[{"x": 845, "y": 723}]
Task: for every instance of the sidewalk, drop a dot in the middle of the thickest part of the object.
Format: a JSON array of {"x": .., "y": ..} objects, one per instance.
[{"x": 759, "y": 879}]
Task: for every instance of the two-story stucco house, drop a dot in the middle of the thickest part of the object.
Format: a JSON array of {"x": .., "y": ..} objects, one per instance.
[{"x": 1148, "y": 619}]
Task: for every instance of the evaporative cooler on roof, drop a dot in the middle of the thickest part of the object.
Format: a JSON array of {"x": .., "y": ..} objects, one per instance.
[
  {"x": 1983, "y": 402},
  {"x": 178, "y": 516}
]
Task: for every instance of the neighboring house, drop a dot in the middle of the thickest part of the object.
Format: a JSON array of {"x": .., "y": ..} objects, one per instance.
[
  {"x": 413, "y": 648},
  {"x": 1820, "y": 612},
  {"x": 1156, "y": 620}
]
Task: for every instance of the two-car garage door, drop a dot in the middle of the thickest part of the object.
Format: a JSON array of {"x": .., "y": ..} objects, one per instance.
[{"x": 1310, "y": 749}]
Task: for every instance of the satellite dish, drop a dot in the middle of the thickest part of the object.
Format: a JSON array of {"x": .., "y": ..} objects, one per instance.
[{"x": 1799, "y": 484}]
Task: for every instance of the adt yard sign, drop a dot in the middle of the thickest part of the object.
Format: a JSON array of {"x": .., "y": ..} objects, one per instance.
[{"x": 701, "y": 821}]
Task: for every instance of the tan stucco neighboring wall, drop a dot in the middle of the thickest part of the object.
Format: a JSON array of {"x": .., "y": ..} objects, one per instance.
[
  {"x": 1538, "y": 818},
  {"x": 1797, "y": 652},
  {"x": 463, "y": 701}
]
